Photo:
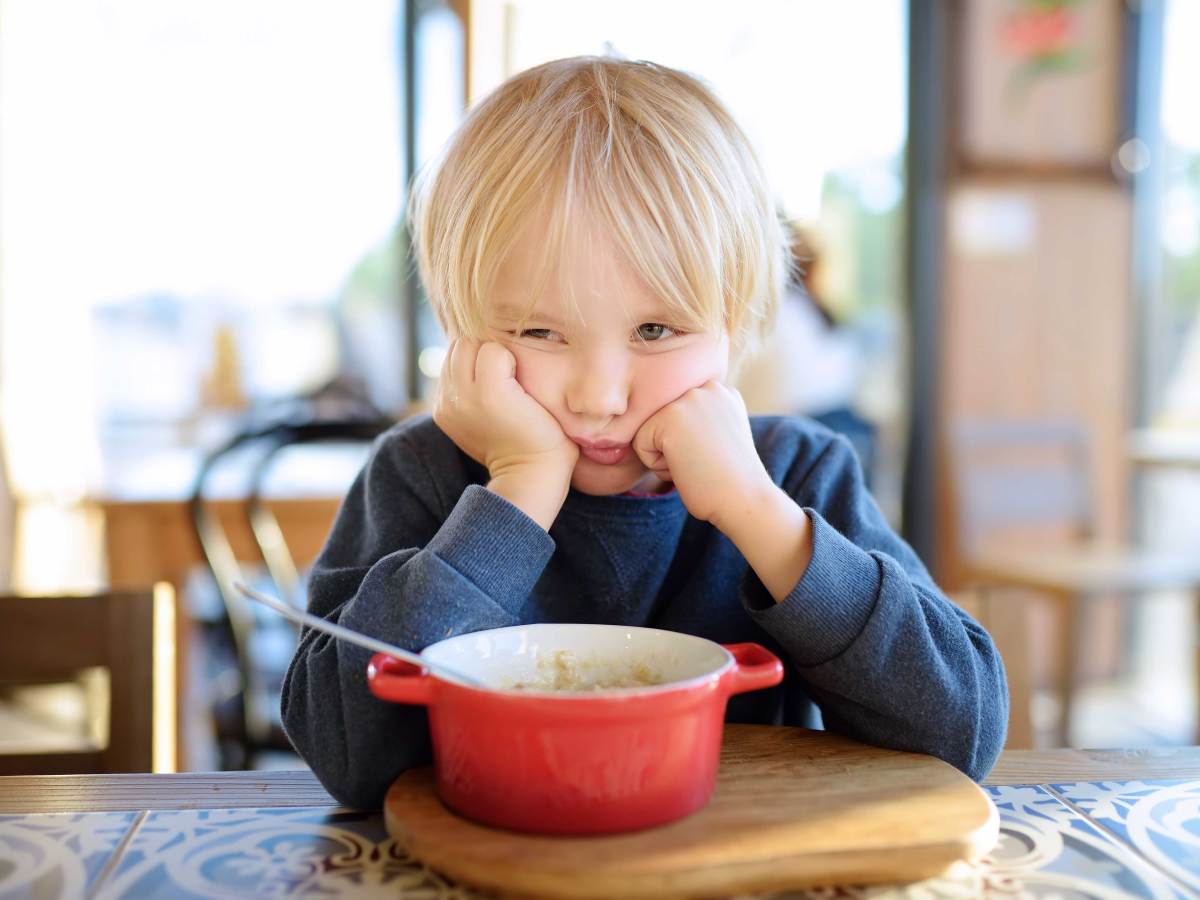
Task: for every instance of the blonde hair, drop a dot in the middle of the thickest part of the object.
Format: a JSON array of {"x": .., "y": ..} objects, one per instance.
[{"x": 648, "y": 151}]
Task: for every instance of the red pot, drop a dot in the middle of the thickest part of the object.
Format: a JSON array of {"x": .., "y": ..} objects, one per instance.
[{"x": 567, "y": 762}]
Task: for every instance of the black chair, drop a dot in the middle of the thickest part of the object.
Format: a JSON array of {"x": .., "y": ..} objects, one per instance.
[
  {"x": 253, "y": 644},
  {"x": 267, "y": 533}
]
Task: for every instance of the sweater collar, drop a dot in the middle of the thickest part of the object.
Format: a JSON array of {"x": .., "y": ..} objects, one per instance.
[{"x": 633, "y": 506}]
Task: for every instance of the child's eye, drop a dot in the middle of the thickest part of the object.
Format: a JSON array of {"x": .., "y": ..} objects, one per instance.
[
  {"x": 542, "y": 334},
  {"x": 654, "y": 331}
]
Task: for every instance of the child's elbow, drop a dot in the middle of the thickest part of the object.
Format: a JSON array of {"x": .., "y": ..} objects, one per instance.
[
  {"x": 348, "y": 784},
  {"x": 984, "y": 755},
  {"x": 328, "y": 759},
  {"x": 988, "y": 735},
  {"x": 354, "y": 765},
  {"x": 353, "y": 790}
]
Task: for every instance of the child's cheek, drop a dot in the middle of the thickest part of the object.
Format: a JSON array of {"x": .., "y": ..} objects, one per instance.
[
  {"x": 704, "y": 362},
  {"x": 535, "y": 373}
]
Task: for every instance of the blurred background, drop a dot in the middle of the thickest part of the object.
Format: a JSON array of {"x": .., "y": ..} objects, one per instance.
[{"x": 207, "y": 311}]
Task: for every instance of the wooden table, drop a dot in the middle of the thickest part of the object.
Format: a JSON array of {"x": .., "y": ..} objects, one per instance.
[
  {"x": 148, "y": 532},
  {"x": 1072, "y": 822}
]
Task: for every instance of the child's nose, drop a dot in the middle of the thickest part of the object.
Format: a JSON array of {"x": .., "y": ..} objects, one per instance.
[{"x": 599, "y": 388}]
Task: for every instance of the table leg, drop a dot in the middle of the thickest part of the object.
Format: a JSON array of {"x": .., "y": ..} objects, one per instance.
[
  {"x": 1196, "y": 674},
  {"x": 1070, "y": 621}
]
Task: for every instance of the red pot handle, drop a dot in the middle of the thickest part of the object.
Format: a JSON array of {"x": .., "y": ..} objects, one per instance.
[
  {"x": 399, "y": 681},
  {"x": 754, "y": 667}
]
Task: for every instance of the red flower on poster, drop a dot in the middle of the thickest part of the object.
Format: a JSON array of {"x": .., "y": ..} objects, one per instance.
[{"x": 1044, "y": 37}]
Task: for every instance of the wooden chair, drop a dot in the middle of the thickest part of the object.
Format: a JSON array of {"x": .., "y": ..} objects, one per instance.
[
  {"x": 1007, "y": 624},
  {"x": 8, "y": 519},
  {"x": 51, "y": 640},
  {"x": 1034, "y": 476}
]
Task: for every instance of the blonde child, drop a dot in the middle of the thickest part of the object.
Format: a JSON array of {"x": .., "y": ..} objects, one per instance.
[{"x": 601, "y": 248}]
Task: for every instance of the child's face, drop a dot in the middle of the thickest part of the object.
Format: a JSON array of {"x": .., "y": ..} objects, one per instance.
[{"x": 603, "y": 364}]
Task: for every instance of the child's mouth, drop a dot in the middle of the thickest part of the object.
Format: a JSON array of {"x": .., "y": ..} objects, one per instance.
[{"x": 606, "y": 453}]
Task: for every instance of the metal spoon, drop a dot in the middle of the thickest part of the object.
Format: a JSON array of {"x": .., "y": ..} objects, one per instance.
[{"x": 355, "y": 637}]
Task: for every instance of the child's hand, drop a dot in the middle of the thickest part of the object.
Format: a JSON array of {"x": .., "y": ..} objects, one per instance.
[
  {"x": 702, "y": 442},
  {"x": 485, "y": 411}
]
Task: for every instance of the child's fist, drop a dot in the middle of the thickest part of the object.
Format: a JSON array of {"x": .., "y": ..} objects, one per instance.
[
  {"x": 485, "y": 411},
  {"x": 703, "y": 443}
]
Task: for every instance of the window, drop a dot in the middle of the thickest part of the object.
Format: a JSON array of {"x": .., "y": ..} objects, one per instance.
[
  {"x": 197, "y": 205},
  {"x": 198, "y": 209}
]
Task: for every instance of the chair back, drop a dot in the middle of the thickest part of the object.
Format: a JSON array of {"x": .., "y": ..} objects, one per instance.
[
  {"x": 48, "y": 640},
  {"x": 1014, "y": 475},
  {"x": 269, "y": 536},
  {"x": 261, "y": 446}
]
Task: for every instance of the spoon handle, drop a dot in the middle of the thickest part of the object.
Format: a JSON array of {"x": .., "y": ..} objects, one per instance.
[{"x": 347, "y": 634}]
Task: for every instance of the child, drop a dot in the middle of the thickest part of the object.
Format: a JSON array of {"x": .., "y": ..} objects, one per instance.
[{"x": 601, "y": 247}]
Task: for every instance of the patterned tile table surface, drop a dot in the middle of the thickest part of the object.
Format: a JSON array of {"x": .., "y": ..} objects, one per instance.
[{"x": 1083, "y": 839}]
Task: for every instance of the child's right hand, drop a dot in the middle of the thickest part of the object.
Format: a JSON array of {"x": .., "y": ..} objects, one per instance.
[{"x": 482, "y": 407}]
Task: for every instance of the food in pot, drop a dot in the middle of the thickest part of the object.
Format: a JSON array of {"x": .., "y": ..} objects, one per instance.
[{"x": 562, "y": 671}]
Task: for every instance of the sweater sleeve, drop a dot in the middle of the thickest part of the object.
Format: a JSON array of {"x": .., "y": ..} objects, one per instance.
[
  {"x": 395, "y": 569},
  {"x": 886, "y": 655}
]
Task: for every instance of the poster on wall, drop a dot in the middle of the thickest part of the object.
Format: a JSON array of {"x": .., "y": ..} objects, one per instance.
[{"x": 1040, "y": 84}]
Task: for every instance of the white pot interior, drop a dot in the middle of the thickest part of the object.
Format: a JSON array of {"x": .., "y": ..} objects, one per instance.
[{"x": 577, "y": 659}]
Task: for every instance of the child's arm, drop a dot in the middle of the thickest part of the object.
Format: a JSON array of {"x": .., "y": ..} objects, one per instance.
[
  {"x": 413, "y": 558},
  {"x": 885, "y": 654},
  {"x": 888, "y": 658}
]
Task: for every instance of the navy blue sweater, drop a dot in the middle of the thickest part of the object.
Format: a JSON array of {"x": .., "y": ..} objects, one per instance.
[{"x": 421, "y": 550}]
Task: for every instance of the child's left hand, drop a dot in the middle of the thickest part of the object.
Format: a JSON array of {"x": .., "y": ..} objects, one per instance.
[{"x": 702, "y": 442}]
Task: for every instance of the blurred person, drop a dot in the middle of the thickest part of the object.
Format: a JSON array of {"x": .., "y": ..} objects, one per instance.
[{"x": 810, "y": 364}]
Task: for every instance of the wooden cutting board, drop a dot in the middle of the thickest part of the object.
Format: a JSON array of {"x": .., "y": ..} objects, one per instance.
[{"x": 793, "y": 808}]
